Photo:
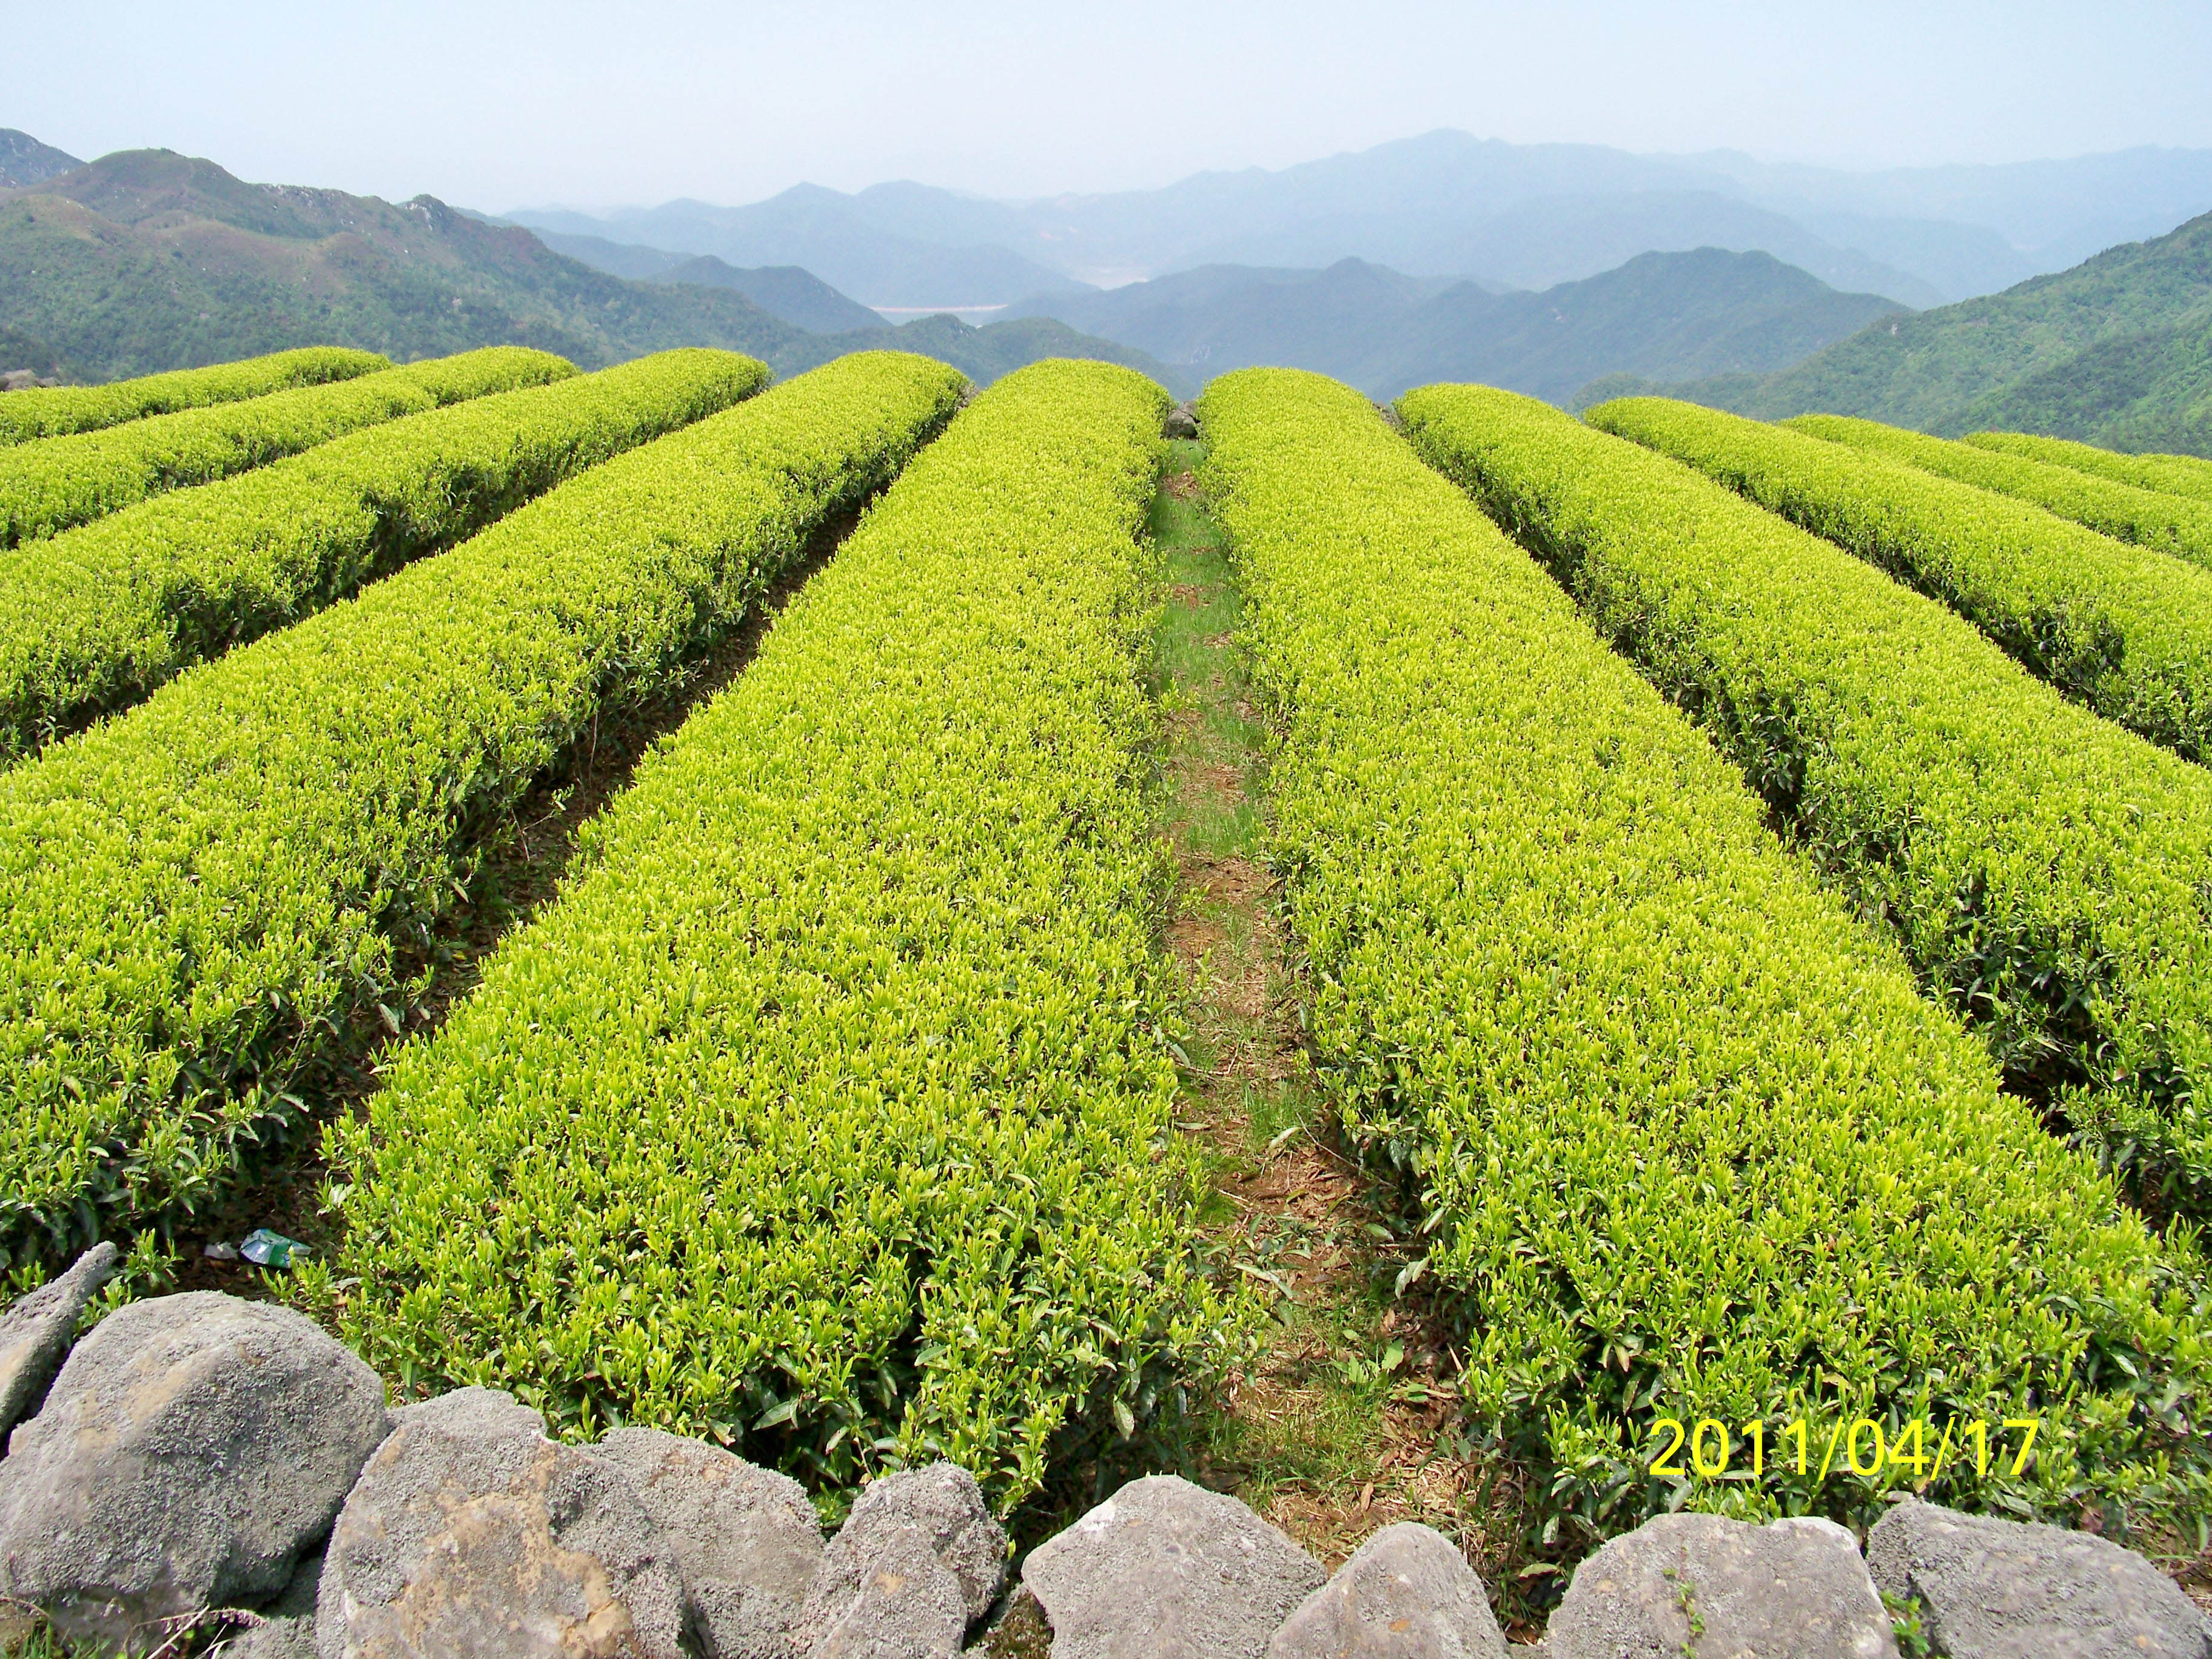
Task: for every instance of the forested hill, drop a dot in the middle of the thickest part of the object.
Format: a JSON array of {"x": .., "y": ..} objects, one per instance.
[
  {"x": 1668, "y": 316},
  {"x": 148, "y": 260},
  {"x": 2117, "y": 351}
]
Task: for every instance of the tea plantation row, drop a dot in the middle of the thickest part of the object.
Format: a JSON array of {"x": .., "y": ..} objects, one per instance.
[
  {"x": 51, "y": 411},
  {"x": 829, "y": 1107},
  {"x": 56, "y": 483},
  {"x": 94, "y": 620}
]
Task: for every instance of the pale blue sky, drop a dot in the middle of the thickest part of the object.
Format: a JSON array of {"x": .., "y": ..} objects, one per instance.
[{"x": 503, "y": 105}]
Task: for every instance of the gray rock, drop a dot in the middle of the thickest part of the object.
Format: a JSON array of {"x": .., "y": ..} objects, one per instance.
[
  {"x": 905, "y": 1604},
  {"x": 1181, "y": 422},
  {"x": 746, "y": 1538},
  {"x": 1993, "y": 1589},
  {"x": 944, "y": 1504},
  {"x": 479, "y": 1413},
  {"x": 1794, "y": 1587},
  {"x": 275, "y": 1638},
  {"x": 192, "y": 1450},
  {"x": 1407, "y": 1594},
  {"x": 1165, "y": 1569},
  {"x": 287, "y": 1626},
  {"x": 35, "y": 1333},
  {"x": 470, "y": 1533}
]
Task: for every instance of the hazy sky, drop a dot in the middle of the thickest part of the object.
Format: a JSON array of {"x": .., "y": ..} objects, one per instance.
[{"x": 503, "y": 105}]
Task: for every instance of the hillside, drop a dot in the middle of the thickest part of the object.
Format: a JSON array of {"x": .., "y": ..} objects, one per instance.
[
  {"x": 791, "y": 292},
  {"x": 797, "y": 296},
  {"x": 1720, "y": 311},
  {"x": 1674, "y": 315},
  {"x": 24, "y": 161},
  {"x": 1218, "y": 318},
  {"x": 615, "y": 259},
  {"x": 148, "y": 260},
  {"x": 2117, "y": 351}
]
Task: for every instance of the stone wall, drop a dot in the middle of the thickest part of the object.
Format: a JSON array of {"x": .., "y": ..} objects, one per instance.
[{"x": 198, "y": 1452}]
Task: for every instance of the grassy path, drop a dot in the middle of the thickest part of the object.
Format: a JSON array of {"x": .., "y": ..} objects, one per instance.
[{"x": 1349, "y": 1422}]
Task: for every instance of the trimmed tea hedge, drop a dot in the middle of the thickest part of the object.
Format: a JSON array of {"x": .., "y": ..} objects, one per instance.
[
  {"x": 2047, "y": 873},
  {"x": 50, "y": 411},
  {"x": 1682, "y": 1138},
  {"x": 58, "y": 483},
  {"x": 2177, "y": 475},
  {"x": 2125, "y": 511},
  {"x": 94, "y": 620},
  {"x": 199, "y": 900},
  {"x": 829, "y": 1109},
  {"x": 2127, "y": 630}
]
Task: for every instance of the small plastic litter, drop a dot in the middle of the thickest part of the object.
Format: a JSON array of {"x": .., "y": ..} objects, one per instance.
[
  {"x": 267, "y": 1249},
  {"x": 220, "y": 1250}
]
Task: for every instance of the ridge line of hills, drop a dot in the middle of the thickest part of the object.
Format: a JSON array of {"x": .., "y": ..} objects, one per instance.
[
  {"x": 1445, "y": 204},
  {"x": 146, "y": 260},
  {"x": 1703, "y": 311}
]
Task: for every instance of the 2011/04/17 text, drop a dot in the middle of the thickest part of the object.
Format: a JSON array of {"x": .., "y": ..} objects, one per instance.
[{"x": 1706, "y": 1448}]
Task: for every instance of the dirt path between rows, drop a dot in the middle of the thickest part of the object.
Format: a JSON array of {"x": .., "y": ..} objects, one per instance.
[{"x": 1349, "y": 1420}]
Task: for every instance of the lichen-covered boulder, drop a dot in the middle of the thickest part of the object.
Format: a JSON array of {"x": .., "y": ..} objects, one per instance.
[
  {"x": 192, "y": 1450},
  {"x": 471, "y": 1532},
  {"x": 873, "y": 1563},
  {"x": 1165, "y": 1569},
  {"x": 1705, "y": 1584},
  {"x": 940, "y": 1501},
  {"x": 746, "y": 1538},
  {"x": 36, "y": 1332},
  {"x": 1998, "y": 1589},
  {"x": 1407, "y": 1593},
  {"x": 903, "y": 1603}
]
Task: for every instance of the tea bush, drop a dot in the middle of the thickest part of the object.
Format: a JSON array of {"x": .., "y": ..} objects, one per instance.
[
  {"x": 1680, "y": 1136},
  {"x": 201, "y": 900}
]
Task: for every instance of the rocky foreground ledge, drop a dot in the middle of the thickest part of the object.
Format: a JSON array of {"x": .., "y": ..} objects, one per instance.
[{"x": 194, "y": 1454}]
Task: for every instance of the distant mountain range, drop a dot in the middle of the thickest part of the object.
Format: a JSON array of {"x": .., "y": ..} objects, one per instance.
[
  {"x": 1704, "y": 312},
  {"x": 1445, "y": 204},
  {"x": 147, "y": 260},
  {"x": 1674, "y": 315},
  {"x": 2117, "y": 351},
  {"x": 797, "y": 296},
  {"x": 820, "y": 230}
]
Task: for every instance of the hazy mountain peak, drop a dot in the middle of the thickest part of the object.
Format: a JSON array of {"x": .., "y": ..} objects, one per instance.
[
  {"x": 25, "y": 162},
  {"x": 1449, "y": 203}
]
